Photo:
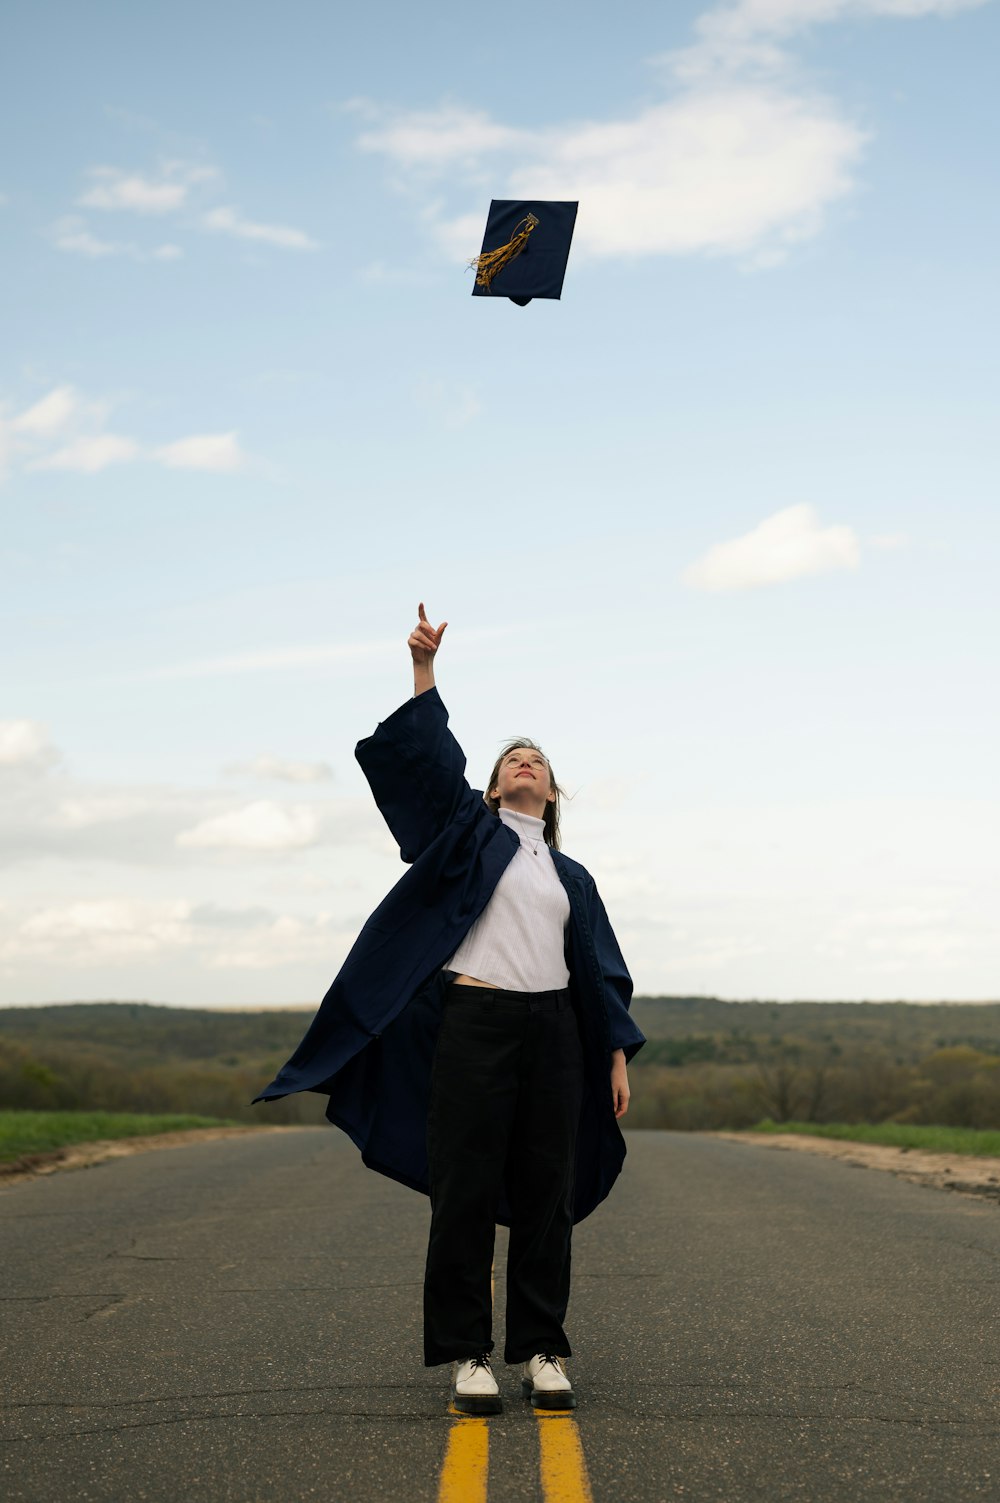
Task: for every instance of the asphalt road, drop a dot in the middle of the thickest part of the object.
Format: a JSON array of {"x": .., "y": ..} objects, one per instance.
[{"x": 240, "y": 1320}]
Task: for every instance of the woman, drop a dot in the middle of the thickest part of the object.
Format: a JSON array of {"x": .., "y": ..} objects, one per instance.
[{"x": 474, "y": 1044}]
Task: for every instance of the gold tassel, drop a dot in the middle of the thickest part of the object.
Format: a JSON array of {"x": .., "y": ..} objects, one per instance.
[{"x": 491, "y": 262}]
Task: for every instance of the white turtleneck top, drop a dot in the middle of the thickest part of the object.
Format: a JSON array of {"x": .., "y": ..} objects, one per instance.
[{"x": 517, "y": 941}]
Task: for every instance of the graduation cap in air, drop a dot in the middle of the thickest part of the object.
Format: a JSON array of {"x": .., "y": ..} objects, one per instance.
[{"x": 525, "y": 250}]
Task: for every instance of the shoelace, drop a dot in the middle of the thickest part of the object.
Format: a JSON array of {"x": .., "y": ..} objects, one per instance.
[
  {"x": 481, "y": 1361},
  {"x": 548, "y": 1359}
]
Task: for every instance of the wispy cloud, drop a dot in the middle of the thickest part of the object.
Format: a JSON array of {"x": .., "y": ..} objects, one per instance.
[
  {"x": 218, "y": 453},
  {"x": 89, "y": 456},
  {"x": 709, "y": 172},
  {"x": 47, "y": 812},
  {"x": 442, "y": 138},
  {"x": 110, "y": 932},
  {"x": 117, "y": 188},
  {"x": 281, "y": 770},
  {"x": 101, "y": 930},
  {"x": 49, "y": 414},
  {"x": 751, "y": 33},
  {"x": 229, "y": 221},
  {"x": 788, "y": 545},
  {"x": 177, "y": 189},
  {"x": 63, "y": 417},
  {"x": 260, "y": 826},
  {"x": 318, "y": 655},
  {"x": 742, "y": 158},
  {"x": 70, "y": 234},
  {"x": 269, "y": 659}
]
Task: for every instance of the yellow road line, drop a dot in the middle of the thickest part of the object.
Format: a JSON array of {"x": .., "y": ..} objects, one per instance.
[
  {"x": 466, "y": 1466},
  {"x": 466, "y": 1462},
  {"x": 564, "y": 1471}
]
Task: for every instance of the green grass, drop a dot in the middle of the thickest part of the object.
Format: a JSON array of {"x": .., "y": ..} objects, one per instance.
[
  {"x": 40, "y": 1132},
  {"x": 896, "y": 1135}
]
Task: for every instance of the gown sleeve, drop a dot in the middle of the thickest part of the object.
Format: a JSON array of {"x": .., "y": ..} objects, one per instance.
[
  {"x": 617, "y": 981},
  {"x": 416, "y": 770}
]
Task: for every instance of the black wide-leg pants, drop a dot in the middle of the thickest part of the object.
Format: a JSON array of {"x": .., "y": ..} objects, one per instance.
[{"x": 506, "y": 1093}]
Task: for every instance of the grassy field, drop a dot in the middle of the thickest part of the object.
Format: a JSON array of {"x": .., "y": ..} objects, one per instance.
[
  {"x": 24, "y": 1133},
  {"x": 895, "y": 1135}
]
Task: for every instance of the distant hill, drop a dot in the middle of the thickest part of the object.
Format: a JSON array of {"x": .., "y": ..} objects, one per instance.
[
  {"x": 144, "y": 1033},
  {"x": 139, "y": 1057},
  {"x": 708, "y": 1062},
  {"x": 742, "y": 1031}
]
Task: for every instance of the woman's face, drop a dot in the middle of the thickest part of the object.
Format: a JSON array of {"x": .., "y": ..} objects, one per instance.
[{"x": 524, "y": 781}]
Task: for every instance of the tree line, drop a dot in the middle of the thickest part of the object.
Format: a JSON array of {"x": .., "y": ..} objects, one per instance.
[{"x": 708, "y": 1063}]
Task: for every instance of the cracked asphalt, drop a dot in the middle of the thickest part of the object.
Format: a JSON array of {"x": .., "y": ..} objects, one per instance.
[{"x": 240, "y": 1320}]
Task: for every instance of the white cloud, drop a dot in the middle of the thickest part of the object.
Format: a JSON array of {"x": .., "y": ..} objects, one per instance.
[
  {"x": 439, "y": 138},
  {"x": 25, "y": 743},
  {"x": 59, "y": 415},
  {"x": 111, "y": 932},
  {"x": 93, "y": 932},
  {"x": 90, "y": 455},
  {"x": 48, "y": 815},
  {"x": 722, "y": 171},
  {"x": 751, "y": 35},
  {"x": 115, "y": 188},
  {"x": 281, "y": 770},
  {"x": 171, "y": 190},
  {"x": 71, "y": 234},
  {"x": 788, "y": 545},
  {"x": 218, "y": 452},
  {"x": 742, "y": 158},
  {"x": 285, "y": 941},
  {"x": 229, "y": 221},
  {"x": 260, "y": 826},
  {"x": 50, "y": 414},
  {"x": 87, "y": 448},
  {"x": 88, "y": 810},
  {"x": 782, "y": 18}
]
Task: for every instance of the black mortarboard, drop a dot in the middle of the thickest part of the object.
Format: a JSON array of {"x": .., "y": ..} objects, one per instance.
[{"x": 525, "y": 250}]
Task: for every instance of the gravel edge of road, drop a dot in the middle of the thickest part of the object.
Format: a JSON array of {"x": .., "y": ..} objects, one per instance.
[
  {"x": 965, "y": 1173},
  {"x": 83, "y": 1155}
]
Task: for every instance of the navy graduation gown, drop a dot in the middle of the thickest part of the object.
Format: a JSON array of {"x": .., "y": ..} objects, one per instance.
[{"x": 371, "y": 1044}]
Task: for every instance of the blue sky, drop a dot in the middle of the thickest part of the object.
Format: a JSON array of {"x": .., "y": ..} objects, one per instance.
[{"x": 719, "y": 528}]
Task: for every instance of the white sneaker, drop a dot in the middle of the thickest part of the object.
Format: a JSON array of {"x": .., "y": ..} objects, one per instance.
[
  {"x": 544, "y": 1382},
  {"x": 474, "y": 1390}
]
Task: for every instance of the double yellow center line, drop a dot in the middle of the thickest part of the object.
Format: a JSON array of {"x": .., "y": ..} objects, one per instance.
[{"x": 466, "y": 1466}]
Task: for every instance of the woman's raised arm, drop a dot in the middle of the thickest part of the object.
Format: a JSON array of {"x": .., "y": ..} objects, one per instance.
[{"x": 423, "y": 643}]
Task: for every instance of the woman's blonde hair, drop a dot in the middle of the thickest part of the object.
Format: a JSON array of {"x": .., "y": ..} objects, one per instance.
[{"x": 551, "y": 815}]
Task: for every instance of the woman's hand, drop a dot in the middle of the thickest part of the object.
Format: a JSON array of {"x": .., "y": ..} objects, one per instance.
[
  {"x": 620, "y": 1093},
  {"x": 423, "y": 643}
]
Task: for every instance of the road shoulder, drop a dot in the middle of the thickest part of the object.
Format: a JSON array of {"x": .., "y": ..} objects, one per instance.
[
  {"x": 965, "y": 1173},
  {"x": 84, "y": 1155}
]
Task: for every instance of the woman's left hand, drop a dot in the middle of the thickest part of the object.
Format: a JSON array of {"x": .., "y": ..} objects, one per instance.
[{"x": 620, "y": 1092}]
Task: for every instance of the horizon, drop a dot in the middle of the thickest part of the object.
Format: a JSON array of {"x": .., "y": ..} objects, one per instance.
[{"x": 637, "y": 997}]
